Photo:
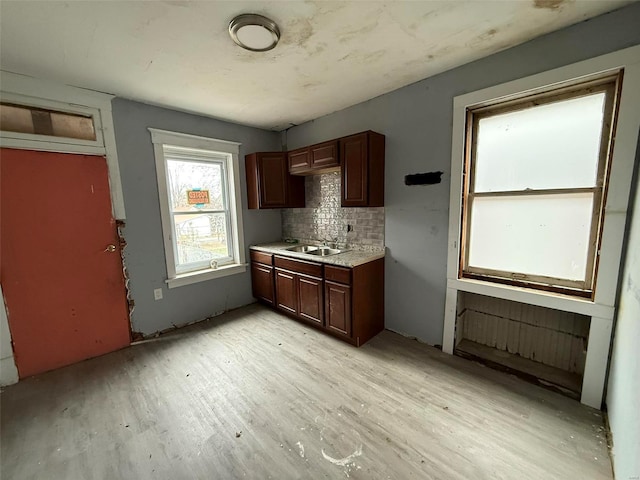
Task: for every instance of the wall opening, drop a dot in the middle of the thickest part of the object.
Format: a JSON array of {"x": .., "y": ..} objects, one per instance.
[{"x": 542, "y": 345}]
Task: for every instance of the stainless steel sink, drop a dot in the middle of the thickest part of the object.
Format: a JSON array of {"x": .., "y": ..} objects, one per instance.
[
  {"x": 325, "y": 251},
  {"x": 321, "y": 251},
  {"x": 303, "y": 248}
]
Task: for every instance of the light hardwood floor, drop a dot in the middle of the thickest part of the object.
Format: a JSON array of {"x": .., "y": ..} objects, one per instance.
[{"x": 254, "y": 394}]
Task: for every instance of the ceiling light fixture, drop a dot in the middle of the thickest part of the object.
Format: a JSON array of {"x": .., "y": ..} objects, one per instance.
[{"x": 254, "y": 32}]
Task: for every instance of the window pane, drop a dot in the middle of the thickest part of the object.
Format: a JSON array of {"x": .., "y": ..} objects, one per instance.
[
  {"x": 195, "y": 186},
  {"x": 200, "y": 238},
  {"x": 550, "y": 146},
  {"x": 24, "y": 119},
  {"x": 538, "y": 235}
]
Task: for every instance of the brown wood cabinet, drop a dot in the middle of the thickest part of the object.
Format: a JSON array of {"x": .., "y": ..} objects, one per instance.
[
  {"x": 346, "y": 302},
  {"x": 315, "y": 159},
  {"x": 298, "y": 160},
  {"x": 286, "y": 291},
  {"x": 338, "y": 307},
  {"x": 275, "y": 179},
  {"x": 262, "y": 277},
  {"x": 310, "y": 305},
  {"x": 269, "y": 184},
  {"x": 362, "y": 182},
  {"x": 299, "y": 288}
]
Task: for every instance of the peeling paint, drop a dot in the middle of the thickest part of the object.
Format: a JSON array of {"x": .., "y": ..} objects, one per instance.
[{"x": 549, "y": 4}]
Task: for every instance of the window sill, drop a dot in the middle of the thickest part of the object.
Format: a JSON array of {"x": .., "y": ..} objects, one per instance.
[
  {"x": 541, "y": 298},
  {"x": 204, "y": 275}
]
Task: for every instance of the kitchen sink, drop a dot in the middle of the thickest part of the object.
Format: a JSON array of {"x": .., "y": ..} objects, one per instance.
[
  {"x": 321, "y": 251},
  {"x": 325, "y": 251},
  {"x": 303, "y": 248}
]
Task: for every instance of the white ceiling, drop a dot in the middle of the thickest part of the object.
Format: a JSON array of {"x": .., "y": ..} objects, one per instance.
[{"x": 331, "y": 54}]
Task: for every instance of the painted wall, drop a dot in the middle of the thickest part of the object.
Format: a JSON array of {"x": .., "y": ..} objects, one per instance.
[
  {"x": 417, "y": 122},
  {"x": 144, "y": 254},
  {"x": 623, "y": 394}
]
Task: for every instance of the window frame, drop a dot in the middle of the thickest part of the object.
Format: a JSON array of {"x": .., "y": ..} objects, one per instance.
[
  {"x": 610, "y": 85},
  {"x": 220, "y": 151}
]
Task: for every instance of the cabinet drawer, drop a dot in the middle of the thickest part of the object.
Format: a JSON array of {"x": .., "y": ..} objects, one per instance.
[
  {"x": 261, "y": 257},
  {"x": 298, "y": 266},
  {"x": 337, "y": 274}
]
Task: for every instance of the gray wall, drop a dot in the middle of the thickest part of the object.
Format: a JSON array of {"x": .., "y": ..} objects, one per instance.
[
  {"x": 144, "y": 254},
  {"x": 417, "y": 123},
  {"x": 623, "y": 394}
]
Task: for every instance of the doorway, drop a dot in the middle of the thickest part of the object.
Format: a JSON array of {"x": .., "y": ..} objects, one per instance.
[{"x": 60, "y": 259}]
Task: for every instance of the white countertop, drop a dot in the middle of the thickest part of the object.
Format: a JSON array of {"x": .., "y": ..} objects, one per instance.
[{"x": 350, "y": 258}]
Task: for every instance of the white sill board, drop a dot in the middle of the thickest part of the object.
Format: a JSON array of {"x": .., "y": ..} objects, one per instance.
[
  {"x": 204, "y": 275},
  {"x": 556, "y": 301}
]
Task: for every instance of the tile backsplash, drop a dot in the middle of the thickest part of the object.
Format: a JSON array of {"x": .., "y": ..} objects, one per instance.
[{"x": 324, "y": 218}]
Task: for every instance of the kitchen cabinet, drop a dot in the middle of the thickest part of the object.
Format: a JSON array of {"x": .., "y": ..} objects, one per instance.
[
  {"x": 298, "y": 160},
  {"x": 338, "y": 307},
  {"x": 269, "y": 184},
  {"x": 286, "y": 292},
  {"x": 362, "y": 180},
  {"x": 345, "y": 302},
  {"x": 315, "y": 159},
  {"x": 262, "y": 284},
  {"x": 299, "y": 289},
  {"x": 324, "y": 155}
]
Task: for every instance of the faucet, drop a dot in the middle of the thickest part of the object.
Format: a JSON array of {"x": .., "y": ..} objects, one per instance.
[{"x": 332, "y": 241}]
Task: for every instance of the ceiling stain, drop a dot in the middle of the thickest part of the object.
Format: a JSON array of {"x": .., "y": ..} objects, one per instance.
[
  {"x": 298, "y": 32},
  {"x": 549, "y": 4},
  {"x": 197, "y": 68}
]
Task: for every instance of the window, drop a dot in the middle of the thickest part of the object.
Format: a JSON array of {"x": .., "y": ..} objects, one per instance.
[
  {"x": 200, "y": 205},
  {"x": 534, "y": 185}
]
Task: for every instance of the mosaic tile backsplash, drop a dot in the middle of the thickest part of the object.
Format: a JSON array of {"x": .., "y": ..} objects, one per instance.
[{"x": 324, "y": 218}]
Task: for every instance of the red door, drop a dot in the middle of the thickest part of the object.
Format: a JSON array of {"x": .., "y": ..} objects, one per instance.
[{"x": 60, "y": 260}]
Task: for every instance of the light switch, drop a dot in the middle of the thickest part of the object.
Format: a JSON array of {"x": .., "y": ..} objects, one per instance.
[{"x": 157, "y": 294}]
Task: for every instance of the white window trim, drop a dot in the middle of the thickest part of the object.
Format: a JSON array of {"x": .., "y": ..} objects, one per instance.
[
  {"x": 160, "y": 138},
  {"x": 602, "y": 308},
  {"x": 40, "y": 93}
]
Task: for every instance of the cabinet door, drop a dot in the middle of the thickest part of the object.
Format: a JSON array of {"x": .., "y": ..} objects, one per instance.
[
  {"x": 338, "y": 307},
  {"x": 298, "y": 160},
  {"x": 310, "y": 306},
  {"x": 286, "y": 295},
  {"x": 324, "y": 155},
  {"x": 355, "y": 170},
  {"x": 273, "y": 180},
  {"x": 262, "y": 282}
]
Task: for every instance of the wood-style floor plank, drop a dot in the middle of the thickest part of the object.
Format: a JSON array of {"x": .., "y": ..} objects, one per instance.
[{"x": 253, "y": 394}]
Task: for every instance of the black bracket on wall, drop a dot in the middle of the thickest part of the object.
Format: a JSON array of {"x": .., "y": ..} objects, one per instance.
[{"x": 429, "y": 178}]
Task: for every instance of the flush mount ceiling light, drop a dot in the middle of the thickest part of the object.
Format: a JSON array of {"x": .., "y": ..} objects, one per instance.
[{"x": 254, "y": 32}]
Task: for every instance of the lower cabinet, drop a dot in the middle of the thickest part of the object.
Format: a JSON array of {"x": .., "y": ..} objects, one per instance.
[
  {"x": 310, "y": 299},
  {"x": 337, "y": 299},
  {"x": 346, "y": 302},
  {"x": 286, "y": 294},
  {"x": 262, "y": 277},
  {"x": 299, "y": 288}
]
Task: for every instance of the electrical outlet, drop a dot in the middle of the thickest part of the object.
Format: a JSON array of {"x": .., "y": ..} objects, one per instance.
[{"x": 157, "y": 294}]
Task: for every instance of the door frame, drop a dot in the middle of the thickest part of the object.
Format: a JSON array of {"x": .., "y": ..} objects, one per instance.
[
  {"x": 50, "y": 95},
  {"x": 36, "y": 92}
]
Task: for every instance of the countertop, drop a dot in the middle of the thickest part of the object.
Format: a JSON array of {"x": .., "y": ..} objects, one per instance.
[{"x": 350, "y": 258}]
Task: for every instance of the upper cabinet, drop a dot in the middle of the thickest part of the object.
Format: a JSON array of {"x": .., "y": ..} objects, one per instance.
[
  {"x": 275, "y": 179},
  {"x": 298, "y": 161},
  {"x": 269, "y": 184},
  {"x": 315, "y": 159},
  {"x": 362, "y": 157}
]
